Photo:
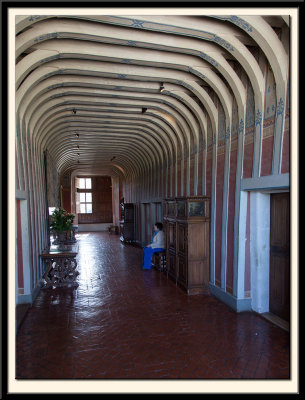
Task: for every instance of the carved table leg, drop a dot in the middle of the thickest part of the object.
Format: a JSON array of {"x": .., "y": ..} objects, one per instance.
[
  {"x": 49, "y": 264},
  {"x": 61, "y": 271}
]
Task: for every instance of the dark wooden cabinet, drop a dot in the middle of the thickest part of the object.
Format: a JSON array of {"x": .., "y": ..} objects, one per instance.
[
  {"x": 187, "y": 228},
  {"x": 127, "y": 222}
]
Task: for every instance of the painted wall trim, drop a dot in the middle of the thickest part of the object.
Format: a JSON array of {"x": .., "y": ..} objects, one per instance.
[
  {"x": 30, "y": 298},
  {"x": 269, "y": 182},
  {"x": 236, "y": 304},
  {"x": 24, "y": 299}
]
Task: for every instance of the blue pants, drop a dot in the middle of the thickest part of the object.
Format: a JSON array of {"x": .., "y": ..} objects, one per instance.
[{"x": 147, "y": 256}]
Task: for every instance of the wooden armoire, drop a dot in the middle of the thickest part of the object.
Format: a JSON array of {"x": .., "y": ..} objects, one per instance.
[
  {"x": 127, "y": 227},
  {"x": 187, "y": 229}
]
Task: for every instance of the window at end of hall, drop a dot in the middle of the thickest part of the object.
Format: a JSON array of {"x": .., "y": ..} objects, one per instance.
[
  {"x": 86, "y": 203},
  {"x": 85, "y": 196}
]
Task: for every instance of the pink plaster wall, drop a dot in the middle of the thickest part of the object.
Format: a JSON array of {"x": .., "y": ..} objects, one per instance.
[
  {"x": 179, "y": 178},
  {"x": 231, "y": 214},
  {"x": 185, "y": 177},
  {"x": 248, "y": 160},
  {"x": 200, "y": 159},
  {"x": 192, "y": 171},
  {"x": 286, "y": 153},
  {"x": 209, "y": 175},
  {"x": 267, "y": 153}
]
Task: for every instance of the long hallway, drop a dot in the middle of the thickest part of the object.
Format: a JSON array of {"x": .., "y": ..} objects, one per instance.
[{"x": 126, "y": 323}]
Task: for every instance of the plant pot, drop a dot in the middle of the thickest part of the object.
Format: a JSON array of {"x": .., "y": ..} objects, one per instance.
[{"x": 61, "y": 238}]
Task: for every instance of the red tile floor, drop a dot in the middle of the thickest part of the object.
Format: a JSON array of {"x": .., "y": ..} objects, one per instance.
[{"x": 124, "y": 322}]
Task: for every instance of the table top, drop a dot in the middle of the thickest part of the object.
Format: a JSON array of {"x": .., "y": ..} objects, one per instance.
[{"x": 60, "y": 250}]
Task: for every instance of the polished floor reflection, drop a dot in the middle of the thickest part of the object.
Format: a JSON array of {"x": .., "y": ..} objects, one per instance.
[{"x": 124, "y": 322}]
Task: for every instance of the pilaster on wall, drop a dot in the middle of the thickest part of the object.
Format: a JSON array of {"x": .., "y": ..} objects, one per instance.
[
  {"x": 225, "y": 207},
  {"x": 258, "y": 139},
  {"x": 213, "y": 211},
  {"x": 53, "y": 182},
  {"x": 279, "y": 133},
  {"x": 237, "y": 216},
  {"x": 116, "y": 200}
]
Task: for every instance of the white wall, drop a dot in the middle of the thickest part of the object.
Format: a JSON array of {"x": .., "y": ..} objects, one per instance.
[{"x": 259, "y": 250}]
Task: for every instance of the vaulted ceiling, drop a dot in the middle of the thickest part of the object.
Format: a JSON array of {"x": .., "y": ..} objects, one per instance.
[{"x": 89, "y": 87}]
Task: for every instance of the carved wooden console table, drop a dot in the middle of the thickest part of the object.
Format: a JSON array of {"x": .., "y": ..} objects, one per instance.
[{"x": 61, "y": 265}]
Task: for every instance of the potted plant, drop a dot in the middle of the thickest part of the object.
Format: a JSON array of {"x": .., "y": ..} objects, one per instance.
[{"x": 61, "y": 224}]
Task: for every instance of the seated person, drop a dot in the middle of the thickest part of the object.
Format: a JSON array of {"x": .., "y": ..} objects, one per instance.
[{"x": 157, "y": 244}]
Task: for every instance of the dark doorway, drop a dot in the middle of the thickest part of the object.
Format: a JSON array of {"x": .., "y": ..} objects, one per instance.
[{"x": 279, "y": 297}]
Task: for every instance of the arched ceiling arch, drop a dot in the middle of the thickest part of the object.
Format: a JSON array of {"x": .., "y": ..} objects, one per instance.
[{"x": 110, "y": 68}]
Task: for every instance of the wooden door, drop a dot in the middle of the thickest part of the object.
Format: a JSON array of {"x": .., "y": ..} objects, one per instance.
[{"x": 279, "y": 295}]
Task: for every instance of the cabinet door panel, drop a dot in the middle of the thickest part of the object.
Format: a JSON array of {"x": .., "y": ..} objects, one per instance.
[
  {"x": 182, "y": 238},
  {"x": 171, "y": 234},
  {"x": 171, "y": 260},
  {"x": 182, "y": 268}
]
